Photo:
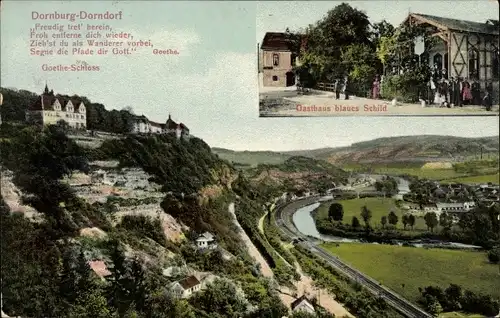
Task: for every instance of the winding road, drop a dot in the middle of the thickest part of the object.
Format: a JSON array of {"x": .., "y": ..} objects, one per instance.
[{"x": 283, "y": 216}]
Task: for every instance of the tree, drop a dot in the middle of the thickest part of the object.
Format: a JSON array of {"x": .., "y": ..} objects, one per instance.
[
  {"x": 328, "y": 38},
  {"x": 383, "y": 221},
  {"x": 411, "y": 221},
  {"x": 405, "y": 220},
  {"x": 355, "y": 222},
  {"x": 446, "y": 221},
  {"x": 431, "y": 220},
  {"x": 393, "y": 218},
  {"x": 454, "y": 297},
  {"x": 366, "y": 215},
  {"x": 336, "y": 212}
]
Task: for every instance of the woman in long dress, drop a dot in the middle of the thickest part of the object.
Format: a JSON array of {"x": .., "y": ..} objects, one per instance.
[{"x": 466, "y": 93}]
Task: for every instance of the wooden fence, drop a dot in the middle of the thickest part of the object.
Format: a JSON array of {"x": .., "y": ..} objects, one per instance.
[{"x": 356, "y": 90}]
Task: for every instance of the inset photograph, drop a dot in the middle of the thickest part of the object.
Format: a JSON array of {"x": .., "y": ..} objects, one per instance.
[{"x": 359, "y": 59}]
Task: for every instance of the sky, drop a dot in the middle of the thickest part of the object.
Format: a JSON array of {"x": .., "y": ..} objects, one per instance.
[{"x": 212, "y": 85}]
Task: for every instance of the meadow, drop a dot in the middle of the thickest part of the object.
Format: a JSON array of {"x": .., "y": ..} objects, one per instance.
[
  {"x": 493, "y": 178},
  {"x": 405, "y": 269},
  {"x": 379, "y": 207}
]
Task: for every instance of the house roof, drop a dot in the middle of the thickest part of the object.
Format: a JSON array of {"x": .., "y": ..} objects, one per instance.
[
  {"x": 489, "y": 27},
  {"x": 189, "y": 282},
  {"x": 300, "y": 300},
  {"x": 46, "y": 102},
  {"x": 99, "y": 267},
  {"x": 275, "y": 41}
]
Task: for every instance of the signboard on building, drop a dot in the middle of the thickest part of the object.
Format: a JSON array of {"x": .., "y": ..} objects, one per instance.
[{"x": 419, "y": 43}]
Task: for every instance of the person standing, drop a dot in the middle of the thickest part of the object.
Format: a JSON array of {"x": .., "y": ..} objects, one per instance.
[
  {"x": 346, "y": 88},
  {"x": 488, "y": 98},
  {"x": 476, "y": 92},
  {"x": 338, "y": 87},
  {"x": 376, "y": 88},
  {"x": 466, "y": 93}
]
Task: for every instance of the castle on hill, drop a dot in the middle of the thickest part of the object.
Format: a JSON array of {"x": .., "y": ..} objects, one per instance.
[
  {"x": 49, "y": 109},
  {"x": 143, "y": 125}
]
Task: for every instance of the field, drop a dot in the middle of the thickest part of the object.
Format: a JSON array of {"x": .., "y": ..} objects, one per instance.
[
  {"x": 459, "y": 315},
  {"x": 251, "y": 158},
  {"x": 493, "y": 178},
  {"x": 486, "y": 169},
  {"x": 418, "y": 267},
  {"x": 378, "y": 206}
]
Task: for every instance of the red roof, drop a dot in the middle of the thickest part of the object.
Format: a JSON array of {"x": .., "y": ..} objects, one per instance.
[
  {"x": 275, "y": 41},
  {"x": 99, "y": 267}
]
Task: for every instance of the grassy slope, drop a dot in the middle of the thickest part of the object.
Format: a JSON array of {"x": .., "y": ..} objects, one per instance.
[
  {"x": 378, "y": 206},
  {"x": 419, "y": 267},
  {"x": 252, "y": 158}
]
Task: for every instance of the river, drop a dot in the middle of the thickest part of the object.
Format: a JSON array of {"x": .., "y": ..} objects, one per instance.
[{"x": 304, "y": 222}]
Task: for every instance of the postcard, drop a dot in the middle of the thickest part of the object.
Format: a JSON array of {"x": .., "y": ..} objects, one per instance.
[
  {"x": 353, "y": 59},
  {"x": 138, "y": 180}
]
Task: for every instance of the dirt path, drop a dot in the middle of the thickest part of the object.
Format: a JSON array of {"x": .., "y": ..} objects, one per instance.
[
  {"x": 306, "y": 287},
  {"x": 252, "y": 250}
]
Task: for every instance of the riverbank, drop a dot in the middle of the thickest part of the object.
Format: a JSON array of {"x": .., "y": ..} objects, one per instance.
[{"x": 394, "y": 235}]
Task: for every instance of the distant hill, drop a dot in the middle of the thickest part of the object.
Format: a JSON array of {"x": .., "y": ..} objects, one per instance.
[
  {"x": 405, "y": 148},
  {"x": 298, "y": 173}
]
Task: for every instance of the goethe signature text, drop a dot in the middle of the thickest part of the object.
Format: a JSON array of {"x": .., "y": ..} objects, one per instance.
[{"x": 82, "y": 15}]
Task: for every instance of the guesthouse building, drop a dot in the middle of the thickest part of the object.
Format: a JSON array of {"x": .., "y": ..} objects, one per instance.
[
  {"x": 276, "y": 60},
  {"x": 465, "y": 49}
]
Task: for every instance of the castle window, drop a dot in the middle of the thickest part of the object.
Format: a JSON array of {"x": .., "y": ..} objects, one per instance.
[
  {"x": 276, "y": 59},
  {"x": 275, "y": 78}
]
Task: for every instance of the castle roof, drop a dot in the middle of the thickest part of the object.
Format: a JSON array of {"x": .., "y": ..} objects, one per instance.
[{"x": 47, "y": 100}]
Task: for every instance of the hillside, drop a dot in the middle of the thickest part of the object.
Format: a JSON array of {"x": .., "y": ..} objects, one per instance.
[
  {"x": 91, "y": 232},
  {"x": 298, "y": 173},
  {"x": 421, "y": 148},
  {"x": 413, "y": 148}
]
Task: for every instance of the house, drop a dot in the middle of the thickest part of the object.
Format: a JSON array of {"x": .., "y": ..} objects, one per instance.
[
  {"x": 186, "y": 287},
  {"x": 99, "y": 268},
  {"x": 49, "y": 109},
  {"x": 206, "y": 241},
  {"x": 276, "y": 60},
  {"x": 465, "y": 49},
  {"x": 302, "y": 304},
  {"x": 143, "y": 125}
]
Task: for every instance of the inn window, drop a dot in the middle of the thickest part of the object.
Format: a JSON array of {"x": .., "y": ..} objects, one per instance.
[
  {"x": 275, "y": 78},
  {"x": 495, "y": 71},
  {"x": 276, "y": 59},
  {"x": 473, "y": 63}
]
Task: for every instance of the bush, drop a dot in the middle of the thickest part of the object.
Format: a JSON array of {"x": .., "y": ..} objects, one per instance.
[{"x": 494, "y": 255}]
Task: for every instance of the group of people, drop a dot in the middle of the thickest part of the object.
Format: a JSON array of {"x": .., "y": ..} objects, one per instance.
[{"x": 457, "y": 92}]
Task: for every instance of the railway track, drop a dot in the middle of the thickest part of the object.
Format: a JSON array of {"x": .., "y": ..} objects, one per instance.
[{"x": 402, "y": 305}]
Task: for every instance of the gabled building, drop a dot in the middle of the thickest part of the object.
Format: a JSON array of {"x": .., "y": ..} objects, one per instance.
[
  {"x": 143, "y": 125},
  {"x": 49, "y": 109},
  {"x": 302, "y": 304},
  {"x": 276, "y": 60},
  {"x": 206, "y": 241},
  {"x": 185, "y": 287},
  {"x": 466, "y": 49}
]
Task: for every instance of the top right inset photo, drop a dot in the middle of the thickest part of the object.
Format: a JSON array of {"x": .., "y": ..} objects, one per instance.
[{"x": 378, "y": 58}]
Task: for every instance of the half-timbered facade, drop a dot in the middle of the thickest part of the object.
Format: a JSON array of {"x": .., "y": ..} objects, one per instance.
[{"x": 465, "y": 49}]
